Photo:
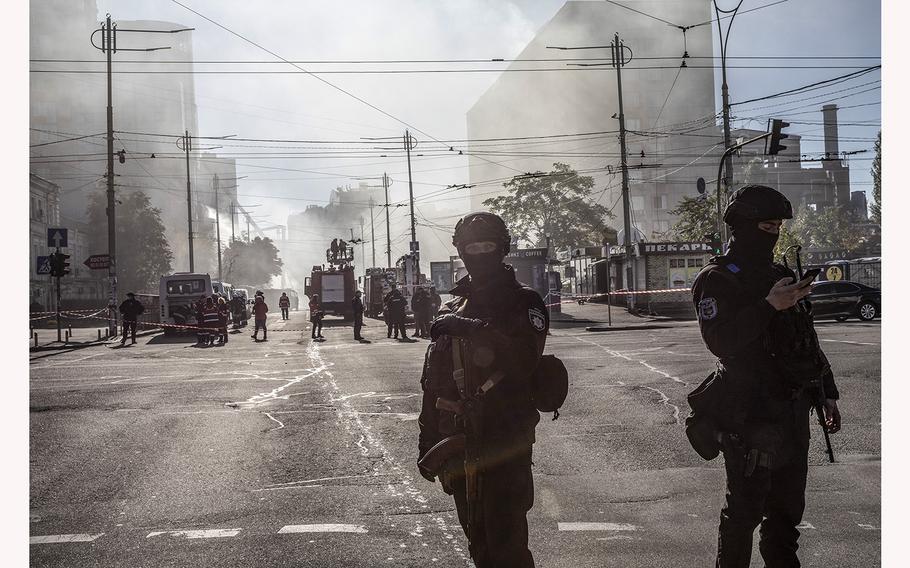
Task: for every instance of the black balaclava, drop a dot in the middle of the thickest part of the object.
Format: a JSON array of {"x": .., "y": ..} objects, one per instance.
[
  {"x": 482, "y": 227},
  {"x": 482, "y": 267},
  {"x": 751, "y": 242}
]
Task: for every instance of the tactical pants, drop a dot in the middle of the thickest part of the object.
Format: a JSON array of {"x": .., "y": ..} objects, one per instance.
[
  {"x": 507, "y": 494},
  {"x": 284, "y": 313},
  {"x": 129, "y": 326},
  {"x": 774, "y": 498},
  {"x": 358, "y": 325},
  {"x": 398, "y": 326}
]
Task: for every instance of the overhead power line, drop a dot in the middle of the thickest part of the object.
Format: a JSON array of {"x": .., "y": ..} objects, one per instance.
[
  {"x": 322, "y": 80},
  {"x": 436, "y": 61},
  {"x": 811, "y": 85},
  {"x": 592, "y": 67}
]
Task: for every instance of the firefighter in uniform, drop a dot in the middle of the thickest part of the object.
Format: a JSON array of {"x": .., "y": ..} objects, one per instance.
[
  {"x": 499, "y": 326},
  {"x": 753, "y": 317}
]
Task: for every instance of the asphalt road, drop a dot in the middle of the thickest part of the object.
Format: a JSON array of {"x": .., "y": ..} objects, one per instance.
[{"x": 294, "y": 453}]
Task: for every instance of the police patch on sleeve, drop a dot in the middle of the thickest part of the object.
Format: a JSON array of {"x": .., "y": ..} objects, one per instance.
[
  {"x": 538, "y": 320},
  {"x": 707, "y": 309}
]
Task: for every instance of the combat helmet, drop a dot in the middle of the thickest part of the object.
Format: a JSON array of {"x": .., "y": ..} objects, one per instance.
[
  {"x": 482, "y": 226},
  {"x": 757, "y": 203}
]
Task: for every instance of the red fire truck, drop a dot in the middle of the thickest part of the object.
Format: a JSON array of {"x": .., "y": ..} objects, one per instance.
[
  {"x": 336, "y": 284},
  {"x": 335, "y": 287}
]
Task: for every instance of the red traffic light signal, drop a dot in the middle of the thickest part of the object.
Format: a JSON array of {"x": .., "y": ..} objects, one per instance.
[{"x": 776, "y": 136}]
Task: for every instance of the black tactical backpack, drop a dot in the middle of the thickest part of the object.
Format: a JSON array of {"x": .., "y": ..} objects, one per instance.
[{"x": 550, "y": 385}]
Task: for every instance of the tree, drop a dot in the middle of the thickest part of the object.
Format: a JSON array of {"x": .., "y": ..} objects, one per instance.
[
  {"x": 556, "y": 204},
  {"x": 877, "y": 181},
  {"x": 251, "y": 263},
  {"x": 697, "y": 216},
  {"x": 143, "y": 254},
  {"x": 831, "y": 228}
]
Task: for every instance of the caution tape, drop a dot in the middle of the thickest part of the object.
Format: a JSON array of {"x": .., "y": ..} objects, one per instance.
[{"x": 95, "y": 310}]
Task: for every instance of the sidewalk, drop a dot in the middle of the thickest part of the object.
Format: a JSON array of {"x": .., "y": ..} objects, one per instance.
[
  {"x": 600, "y": 317},
  {"x": 81, "y": 337}
]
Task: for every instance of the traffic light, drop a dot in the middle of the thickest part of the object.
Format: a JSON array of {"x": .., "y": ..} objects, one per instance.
[
  {"x": 714, "y": 242},
  {"x": 776, "y": 136},
  {"x": 60, "y": 264},
  {"x": 52, "y": 261}
]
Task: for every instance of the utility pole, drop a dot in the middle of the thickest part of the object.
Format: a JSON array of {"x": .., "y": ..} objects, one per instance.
[
  {"x": 108, "y": 46},
  {"x": 363, "y": 250},
  {"x": 407, "y": 146},
  {"x": 725, "y": 93},
  {"x": 233, "y": 238},
  {"x": 189, "y": 197},
  {"x": 388, "y": 230},
  {"x": 410, "y": 142},
  {"x": 217, "y": 224},
  {"x": 618, "y": 62},
  {"x": 373, "y": 230}
]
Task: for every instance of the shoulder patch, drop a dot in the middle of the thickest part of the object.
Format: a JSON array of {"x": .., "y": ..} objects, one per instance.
[
  {"x": 537, "y": 318},
  {"x": 732, "y": 268},
  {"x": 707, "y": 309}
]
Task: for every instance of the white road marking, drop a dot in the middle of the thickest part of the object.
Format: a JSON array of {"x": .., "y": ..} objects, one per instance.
[
  {"x": 868, "y": 527},
  {"x": 597, "y": 527},
  {"x": 58, "y": 538},
  {"x": 374, "y": 446},
  {"x": 641, "y": 362},
  {"x": 305, "y": 482},
  {"x": 323, "y": 528},
  {"x": 280, "y": 423},
  {"x": 805, "y": 525},
  {"x": 850, "y": 342},
  {"x": 200, "y": 533},
  {"x": 665, "y": 400}
]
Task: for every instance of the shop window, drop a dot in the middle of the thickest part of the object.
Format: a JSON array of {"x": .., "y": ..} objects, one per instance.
[{"x": 696, "y": 262}]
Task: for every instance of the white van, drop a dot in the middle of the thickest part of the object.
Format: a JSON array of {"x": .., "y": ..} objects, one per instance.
[
  {"x": 223, "y": 289},
  {"x": 178, "y": 294}
]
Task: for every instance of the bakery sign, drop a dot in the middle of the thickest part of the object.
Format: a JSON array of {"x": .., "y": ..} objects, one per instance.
[{"x": 673, "y": 248}]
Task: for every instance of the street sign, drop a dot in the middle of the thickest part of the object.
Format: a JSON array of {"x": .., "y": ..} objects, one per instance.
[
  {"x": 56, "y": 237},
  {"x": 44, "y": 265},
  {"x": 834, "y": 273},
  {"x": 98, "y": 261},
  {"x": 700, "y": 185}
]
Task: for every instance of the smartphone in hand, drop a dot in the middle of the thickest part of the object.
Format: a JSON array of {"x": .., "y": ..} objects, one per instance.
[{"x": 809, "y": 277}]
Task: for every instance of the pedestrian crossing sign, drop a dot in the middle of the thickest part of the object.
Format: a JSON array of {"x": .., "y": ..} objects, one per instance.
[{"x": 44, "y": 265}]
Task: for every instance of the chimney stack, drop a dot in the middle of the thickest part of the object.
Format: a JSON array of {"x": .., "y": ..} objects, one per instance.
[{"x": 830, "y": 118}]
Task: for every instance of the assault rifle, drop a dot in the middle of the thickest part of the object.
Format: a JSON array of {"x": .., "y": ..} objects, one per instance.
[{"x": 816, "y": 384}]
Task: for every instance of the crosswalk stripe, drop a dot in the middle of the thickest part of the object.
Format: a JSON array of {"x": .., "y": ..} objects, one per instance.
[
  {"x": 57, "y": 538},
  {"x": 597, "y": 527},
  {"x": 200, "y": 533},
  {"x": 323, "y": 528}
]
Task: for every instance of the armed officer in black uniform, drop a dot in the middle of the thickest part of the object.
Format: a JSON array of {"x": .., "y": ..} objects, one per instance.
[
  {"x": 500, "y": 327},
  {"x": 753, "y": 316}
]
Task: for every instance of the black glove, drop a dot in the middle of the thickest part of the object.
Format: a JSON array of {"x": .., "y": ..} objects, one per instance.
[
  {"x": 456, "y": 326},
  {"x": 426, "y": 474}
]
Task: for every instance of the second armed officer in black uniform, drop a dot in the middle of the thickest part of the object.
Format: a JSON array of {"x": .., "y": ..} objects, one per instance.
[
  {"x": 500, "y": 327},
  {"x": 753, "y": 317}
]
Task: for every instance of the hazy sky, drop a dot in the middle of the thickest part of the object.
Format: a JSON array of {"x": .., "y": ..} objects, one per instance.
[{"x": 298, "y": 106}]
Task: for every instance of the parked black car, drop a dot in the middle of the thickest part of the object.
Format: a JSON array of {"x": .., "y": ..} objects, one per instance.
[{"x": 841, "y": 299}]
